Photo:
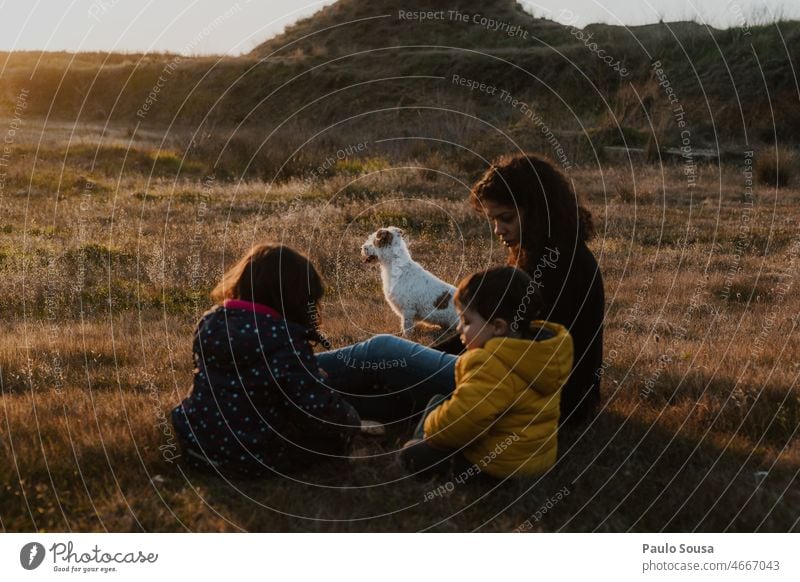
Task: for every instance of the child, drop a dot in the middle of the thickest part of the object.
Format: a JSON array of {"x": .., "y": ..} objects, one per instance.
[
  {"x": 502, "y": 417},
  {"x": 259, "y": 404}
]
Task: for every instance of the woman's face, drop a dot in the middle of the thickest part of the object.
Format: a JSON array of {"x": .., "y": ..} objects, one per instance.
[{"x": 505, "y": 221}]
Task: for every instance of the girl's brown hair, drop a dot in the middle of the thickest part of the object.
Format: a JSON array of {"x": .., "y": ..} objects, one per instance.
[
  {"x": 549, "y": 209},
  {"x": 277, "y": 276}
]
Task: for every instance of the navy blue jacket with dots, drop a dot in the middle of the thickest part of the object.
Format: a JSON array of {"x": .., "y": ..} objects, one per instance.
[{"x": 259, "y": 404}]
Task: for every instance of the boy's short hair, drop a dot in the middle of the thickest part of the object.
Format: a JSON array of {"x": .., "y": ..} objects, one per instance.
[{"x": 501, "y": 292}]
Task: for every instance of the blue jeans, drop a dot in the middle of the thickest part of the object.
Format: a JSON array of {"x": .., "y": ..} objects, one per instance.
[{"x": 388, "y": 378}]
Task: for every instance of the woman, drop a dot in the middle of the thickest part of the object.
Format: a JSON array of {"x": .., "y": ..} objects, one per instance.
[{"x": 536, "y": 214}]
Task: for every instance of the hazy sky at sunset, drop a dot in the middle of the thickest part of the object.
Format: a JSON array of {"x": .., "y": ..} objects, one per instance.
[{"x": 211, "y": 26}]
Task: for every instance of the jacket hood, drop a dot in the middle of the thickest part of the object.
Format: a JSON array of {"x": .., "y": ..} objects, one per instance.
[{"x": 544, "y": 364}]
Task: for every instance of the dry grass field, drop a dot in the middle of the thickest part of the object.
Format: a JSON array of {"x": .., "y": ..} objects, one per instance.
[{"x": 109, "y": 249}]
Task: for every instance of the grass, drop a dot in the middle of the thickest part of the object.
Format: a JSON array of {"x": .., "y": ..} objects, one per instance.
[
  {"x": 776, "y": 167},
  {"x": 106, "y": 266},
  {"x": 102, "y": 286}
]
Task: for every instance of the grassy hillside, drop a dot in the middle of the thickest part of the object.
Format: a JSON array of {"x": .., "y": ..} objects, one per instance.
[
  {"x": 363, "y": 59},
  {"x": 105, "y": 272},
  {"x": 121, "y": 206},
  {"x": 350, "y": 26}
]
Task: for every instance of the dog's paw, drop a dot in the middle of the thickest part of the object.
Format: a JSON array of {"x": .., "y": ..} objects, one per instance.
[{"x": 407, "y": 326}]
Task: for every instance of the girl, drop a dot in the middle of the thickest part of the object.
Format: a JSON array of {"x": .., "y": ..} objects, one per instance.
[{"x": 259, "y": 404}]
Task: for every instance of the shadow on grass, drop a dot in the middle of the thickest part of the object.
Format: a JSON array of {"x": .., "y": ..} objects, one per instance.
[
  {"x": 618, "y": 474},
  {"x": 636, "y": 471}
]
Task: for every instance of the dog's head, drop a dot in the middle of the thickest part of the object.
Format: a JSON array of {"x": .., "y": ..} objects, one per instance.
[{"x": 383, "y": 243}]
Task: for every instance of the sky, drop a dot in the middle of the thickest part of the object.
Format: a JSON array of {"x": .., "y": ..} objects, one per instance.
[{"x": 196, "y": 27}]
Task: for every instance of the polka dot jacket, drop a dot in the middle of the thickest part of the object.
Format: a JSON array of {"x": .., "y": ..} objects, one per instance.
[{"x": 259, "y": 404}]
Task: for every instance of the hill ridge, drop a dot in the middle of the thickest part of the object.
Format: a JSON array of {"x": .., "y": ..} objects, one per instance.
[{"x": 346, "y": 24}]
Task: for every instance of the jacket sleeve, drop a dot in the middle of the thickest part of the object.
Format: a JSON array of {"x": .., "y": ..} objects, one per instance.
[
  {"x": 325, "y": 411},
  {"x": 481, "y": 396}
]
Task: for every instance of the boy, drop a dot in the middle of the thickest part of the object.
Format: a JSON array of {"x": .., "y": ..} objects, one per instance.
[{"x": 503, "y": 415}]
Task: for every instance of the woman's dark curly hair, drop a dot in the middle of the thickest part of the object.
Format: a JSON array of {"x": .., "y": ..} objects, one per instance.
[{"x": 549, "y": 209}]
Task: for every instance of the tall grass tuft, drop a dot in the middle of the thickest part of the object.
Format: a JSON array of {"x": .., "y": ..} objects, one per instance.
[{"x": 776, "y": 166}]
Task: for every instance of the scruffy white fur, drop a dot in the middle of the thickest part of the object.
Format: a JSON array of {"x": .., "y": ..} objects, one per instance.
[{"x": 413, "y": 293}]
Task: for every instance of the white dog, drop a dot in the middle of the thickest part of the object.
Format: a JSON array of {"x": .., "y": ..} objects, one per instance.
[{"x": 413, "y": 293}]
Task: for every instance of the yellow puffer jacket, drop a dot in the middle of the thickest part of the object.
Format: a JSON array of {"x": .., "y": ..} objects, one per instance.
[{"x": 503, "y": 415}]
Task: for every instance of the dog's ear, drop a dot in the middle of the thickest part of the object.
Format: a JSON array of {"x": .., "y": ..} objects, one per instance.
[{"x": 383, "y": 238}]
